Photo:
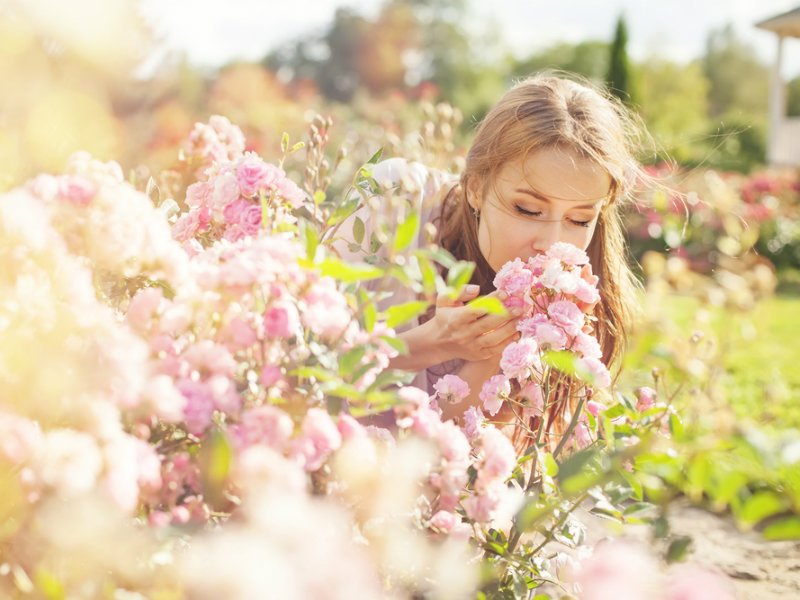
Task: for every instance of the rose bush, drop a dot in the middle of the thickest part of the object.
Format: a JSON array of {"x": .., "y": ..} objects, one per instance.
[{"x": 191, "y": 387}]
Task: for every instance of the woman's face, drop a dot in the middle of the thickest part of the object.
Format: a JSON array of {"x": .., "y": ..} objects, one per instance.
[{"x": 552, "y": 195}]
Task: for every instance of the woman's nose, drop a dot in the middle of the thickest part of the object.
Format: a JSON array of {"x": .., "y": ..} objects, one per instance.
[{"x": 549, "y": 233}]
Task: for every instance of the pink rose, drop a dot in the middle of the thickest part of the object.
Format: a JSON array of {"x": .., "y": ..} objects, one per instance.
[
  {"x": 444, "y": 521},
  {"x": 587, "y": 346},
  {"x": 451, "y": 388},
  {"x": 567, "y": 316},
  {"x": 76, "y": 190},
  {"x": 270, "y": 375},
  {"x": 199, "y": 405},
  {"x": 482, "y": 507},
  {"x": 520, "y": 359},
  {"x": 254, "y": 175},
  {"x": 597, "y": 370},
  {"x": 452, "y": 443},
  {"x": 618, "y": 570},
  {"x": 350, "y": 428},
  {"x": 281, "y": 320},
  {"x": 493, "y": 393},
  {"x": 568, "y": 254},
  {"x": 233, "y": 212},
  {"x": 225, "y": 190},
  {"x": 473, "y": 421},
  {"x": 290, "y": 191},
  {"x": 693, "y": 582},
  {"x": 265, "y": 424},
  {"x": 514, "y": 278},
  {"x": 645, "y": 398},
  {"x": 143, "y": 307},
  {"x": 318, "y": 440},
  {"x": 499, "y": 457}
]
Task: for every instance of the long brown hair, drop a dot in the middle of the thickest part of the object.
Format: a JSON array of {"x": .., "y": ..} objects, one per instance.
[{"x": 555, "y": 110}]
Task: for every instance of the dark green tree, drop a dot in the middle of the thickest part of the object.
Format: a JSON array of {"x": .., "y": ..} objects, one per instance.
[{"x": 619, "y": 69}]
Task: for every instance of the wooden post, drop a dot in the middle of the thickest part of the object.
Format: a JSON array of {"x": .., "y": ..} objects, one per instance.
[{"x": 777, "y": 107}]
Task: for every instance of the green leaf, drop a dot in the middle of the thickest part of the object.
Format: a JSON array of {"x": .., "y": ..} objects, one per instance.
[
  {"x": 400, "y": 313},
  {"x": 348, "y": 272},
  {"x": 562, "y": 360},
  {"x": 389, "y": 377},
  {"x": 350, "y": 359},
  {"x": 358, "y": 230},
  {"x": 344, "y": 210},
  {"x": 298, "y": 146},
  {"x": 460, "y": 273},
  {"x": 395, "y": 343},
  {"x": 284, "y": 142},
  {"x": 375, "y": 157},
  {"x": 49, "y": 585},
  {"x": 216, "y": 456},
  {"x": 550, "y": 465},
  {"x": 759, "y": 506},
  {"x": 319, "y": 197},
  {"x": 787, "y": 528},
  {"x": 489, "y": 305},
  {"x": 406, "y": 232},
  {"x": 370, "y": 314},
  {"x": 638, "y": 507},
  {"x": 312, "y": 241},
  {"x": 678, "y": 548}
]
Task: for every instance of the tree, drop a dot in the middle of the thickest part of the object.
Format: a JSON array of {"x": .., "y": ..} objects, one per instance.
[
  {"x": 589, "y": 58},
  {"x": 673, "y": 101},
  {"x": 739, "y": 81},
  {"x": 619, "y": 79}
]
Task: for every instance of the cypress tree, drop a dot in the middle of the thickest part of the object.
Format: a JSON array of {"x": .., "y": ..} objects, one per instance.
[{"x": 618, "y": 79}]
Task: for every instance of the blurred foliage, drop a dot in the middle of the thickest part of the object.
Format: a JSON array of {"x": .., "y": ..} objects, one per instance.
[{"x": 619, "y": 76}]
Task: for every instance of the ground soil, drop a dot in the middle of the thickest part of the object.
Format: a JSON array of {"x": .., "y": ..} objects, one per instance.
[{"x": 759, "y": 569}]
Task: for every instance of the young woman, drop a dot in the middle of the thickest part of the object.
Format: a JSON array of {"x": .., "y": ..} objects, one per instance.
[{"x": 552, "y": 161}]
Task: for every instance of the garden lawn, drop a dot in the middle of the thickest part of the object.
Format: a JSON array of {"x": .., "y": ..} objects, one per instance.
[{"x": 759, "y": 351}]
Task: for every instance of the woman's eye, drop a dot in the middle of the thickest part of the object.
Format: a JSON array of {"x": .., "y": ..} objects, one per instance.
[
  {"x": 580, "y": 223},
  {"x": 530, "y": 213}
]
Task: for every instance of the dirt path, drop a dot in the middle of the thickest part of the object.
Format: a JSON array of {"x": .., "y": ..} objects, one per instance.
[{"x": 759, "y": 569}]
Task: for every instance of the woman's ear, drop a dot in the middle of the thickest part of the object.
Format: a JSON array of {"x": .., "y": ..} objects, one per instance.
[{"x": 474, "y": 195}]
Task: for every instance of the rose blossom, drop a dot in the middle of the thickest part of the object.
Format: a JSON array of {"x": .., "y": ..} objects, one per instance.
[
  {"x": 520, "y": 359},
  {"x": 281, "y": 320},
  {"x": 514, "y": 278},
  {"x": 645, "y": 398},
  {"x": 493, "y": 391},
  {"x": 451, "y": 388},
  {"x": 473, "y": 421},
  {"x": 567, "y": 316},
  {"x": 598, "y": 371},
  {"x": 319, "y": 438},
  {"x": 568, "y": 254},
  {"x": 499, "y": 457},
  {"x": 444, "y": 521}
]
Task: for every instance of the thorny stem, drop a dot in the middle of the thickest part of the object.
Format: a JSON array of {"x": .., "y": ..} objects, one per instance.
[{"x": 550, "y": 532}]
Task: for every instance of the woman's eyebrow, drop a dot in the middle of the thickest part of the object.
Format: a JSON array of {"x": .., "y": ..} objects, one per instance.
[{"x": 591, "y": 205}]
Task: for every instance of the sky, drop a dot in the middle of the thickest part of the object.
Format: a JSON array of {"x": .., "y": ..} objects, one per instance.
[{"x": 213, "y": 32}]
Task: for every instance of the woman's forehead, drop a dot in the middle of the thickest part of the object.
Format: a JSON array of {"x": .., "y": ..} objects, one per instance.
[{"x": 555, "y": 174}]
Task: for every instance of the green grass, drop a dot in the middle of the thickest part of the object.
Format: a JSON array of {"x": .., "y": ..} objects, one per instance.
[{"x": 758, "y": 352}]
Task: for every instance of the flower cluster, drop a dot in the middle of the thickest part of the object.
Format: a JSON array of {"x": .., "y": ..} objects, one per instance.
[
  {"x": 237, "y": 198},
  {"x": 557, "y": 292}
]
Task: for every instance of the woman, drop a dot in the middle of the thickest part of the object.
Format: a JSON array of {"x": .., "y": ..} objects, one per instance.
[{"x": 552, "y": 161}]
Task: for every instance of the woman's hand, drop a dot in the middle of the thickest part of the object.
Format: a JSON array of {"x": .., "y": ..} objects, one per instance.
[{"x": 459, "y": 331}]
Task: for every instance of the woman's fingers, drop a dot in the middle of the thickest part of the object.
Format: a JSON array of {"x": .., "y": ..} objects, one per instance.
[
  {"x": 469, "y": 292},
  {"x": 502, "y": 336}
]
